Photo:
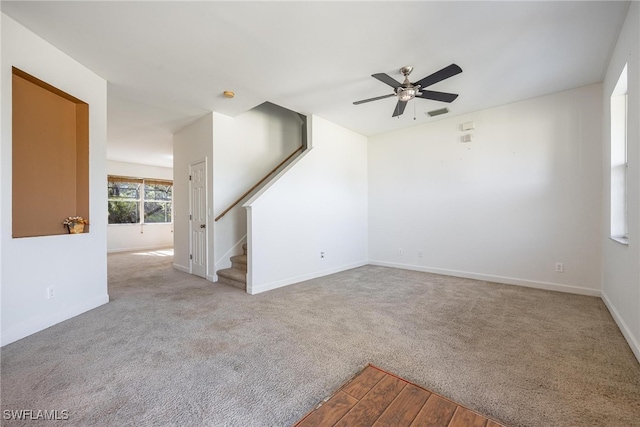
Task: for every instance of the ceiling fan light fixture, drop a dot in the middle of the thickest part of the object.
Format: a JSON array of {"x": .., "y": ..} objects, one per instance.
[{"x": 407, "y": 94}]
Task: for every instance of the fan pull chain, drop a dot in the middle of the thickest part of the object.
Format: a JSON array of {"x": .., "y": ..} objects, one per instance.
[{"x": 414, "y": 109}]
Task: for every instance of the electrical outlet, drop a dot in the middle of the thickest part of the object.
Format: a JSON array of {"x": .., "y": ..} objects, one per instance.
[
  {"x": 559, "y": 267},
  {"x": 51, "y": 292},
  {"x": 400, "y": 251},
  {"x": 321, "y": 255}
]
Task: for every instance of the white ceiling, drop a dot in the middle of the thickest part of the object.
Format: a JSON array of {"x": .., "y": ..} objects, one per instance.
[{"x": 168, "y": 63}]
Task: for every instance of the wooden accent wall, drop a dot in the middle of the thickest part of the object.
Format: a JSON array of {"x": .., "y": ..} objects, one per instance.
[{"x": 50, "y": 165}]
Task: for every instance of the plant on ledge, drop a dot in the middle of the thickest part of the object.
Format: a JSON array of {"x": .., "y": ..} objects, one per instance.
[{"x": 75, "y": 224}]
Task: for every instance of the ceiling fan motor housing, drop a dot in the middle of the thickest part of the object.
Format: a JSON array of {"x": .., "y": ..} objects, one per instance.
[
  {"x": 407, "y": 91},
  {"x": 406, "y": 70}
]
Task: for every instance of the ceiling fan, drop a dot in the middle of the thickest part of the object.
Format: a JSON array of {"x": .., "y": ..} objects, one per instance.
[{"x": 406, "y": 90}]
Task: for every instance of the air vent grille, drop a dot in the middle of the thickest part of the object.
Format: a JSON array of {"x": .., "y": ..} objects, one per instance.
[{"x": 438, "y": 112}]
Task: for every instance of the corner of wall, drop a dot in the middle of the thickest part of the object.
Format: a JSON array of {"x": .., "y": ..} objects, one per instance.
[
  {"x": 2, "y": 103},
  {"x": 191, "y": 144},
  {"x": 312, "y": 221},
  {"x": 621, "y": 269},
  {"x": 25, "y": 308},
  {"x": 633, "y": 342}
]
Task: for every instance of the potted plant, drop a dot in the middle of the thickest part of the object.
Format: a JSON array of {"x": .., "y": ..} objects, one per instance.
[{"x": 75, "y": 224}]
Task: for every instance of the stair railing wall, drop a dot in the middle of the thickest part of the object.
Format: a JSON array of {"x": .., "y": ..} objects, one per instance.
[{"x": 254, "y": 187}]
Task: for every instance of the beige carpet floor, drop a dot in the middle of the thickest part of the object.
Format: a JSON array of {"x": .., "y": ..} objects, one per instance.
[{"x": 173, "y": 349}]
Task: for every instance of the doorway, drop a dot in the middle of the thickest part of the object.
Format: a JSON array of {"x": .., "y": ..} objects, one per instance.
[{"x": 198, "y": 218}]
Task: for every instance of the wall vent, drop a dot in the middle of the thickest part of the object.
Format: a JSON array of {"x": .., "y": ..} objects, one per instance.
[{"x": 438, "y": 112}]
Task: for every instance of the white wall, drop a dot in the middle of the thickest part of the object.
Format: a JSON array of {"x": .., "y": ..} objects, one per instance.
[
  {"x": 524, "y": 194},
  {"x": 76, "y": 265},
  {"x": 134, "y": 237},
  {"x": 319, "y": 205},
  {"x": 621, "y": 278},
  {"x": 2, "y": 202},
  {"x": 192, "y": 144},
  {"x": 246, "y": 148}
]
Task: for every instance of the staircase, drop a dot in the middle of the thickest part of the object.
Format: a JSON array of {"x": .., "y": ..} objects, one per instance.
[{"x": 236, "y": 275}]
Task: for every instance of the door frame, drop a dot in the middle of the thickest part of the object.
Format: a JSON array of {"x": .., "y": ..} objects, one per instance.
[{"x": 206, "y": 220}]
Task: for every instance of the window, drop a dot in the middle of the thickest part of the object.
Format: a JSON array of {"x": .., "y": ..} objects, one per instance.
[
  {"x": 139, "y": 201},
  {"x": 619, "y": 165},
  {"x": 157, "y": 201}
]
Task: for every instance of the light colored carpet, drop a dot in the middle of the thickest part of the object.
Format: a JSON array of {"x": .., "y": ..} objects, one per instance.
[{"x": 173, "y": 349}]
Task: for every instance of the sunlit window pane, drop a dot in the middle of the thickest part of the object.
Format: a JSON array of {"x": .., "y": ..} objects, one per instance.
[
  {"x": 124, "y": 190},
  {"x": 155, "y": 212},
  {"x": 619, "y": 162},
  {"x": 123, "y": 212}
]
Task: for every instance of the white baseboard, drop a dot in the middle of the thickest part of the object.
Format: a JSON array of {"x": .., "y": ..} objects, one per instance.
[
  {"x": 497, "y": 279},
  {"x": 38, "y": 324},
  {"x": 138, "y": 249},
  {"x": 186, "y": 270},
  {"x": 181, "y": 268},
  {"x": 626, "y": 332},
  {"x": 290, "y": 281}
]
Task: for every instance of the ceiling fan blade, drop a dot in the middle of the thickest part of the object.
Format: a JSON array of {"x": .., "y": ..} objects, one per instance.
[
  {"x": 438, "y": 76},
  {"x": 438, "y": 96},
  {"x": 385, "y": 78},
  {"x": 374, "y": 99},
  {"x": 399, "y": 108}
]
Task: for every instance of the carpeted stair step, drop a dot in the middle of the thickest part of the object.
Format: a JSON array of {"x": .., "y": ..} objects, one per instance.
[
  {"x": 233, "y": 277},
  {"x": 236, "y": 275},
  {"x": 239, "y": 262}
]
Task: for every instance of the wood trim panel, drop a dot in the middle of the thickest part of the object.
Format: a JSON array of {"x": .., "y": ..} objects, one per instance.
[{"x": 377, "y": 398}]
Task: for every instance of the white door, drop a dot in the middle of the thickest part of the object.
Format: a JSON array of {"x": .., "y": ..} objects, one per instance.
[{"x": 198, "y": 218}]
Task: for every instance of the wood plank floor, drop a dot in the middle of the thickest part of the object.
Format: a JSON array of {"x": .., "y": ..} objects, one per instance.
[{"x": 377, "y": 398}]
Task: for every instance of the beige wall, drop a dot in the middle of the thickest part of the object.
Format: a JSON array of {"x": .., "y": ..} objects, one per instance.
[{"x": 50, "y": 159}]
